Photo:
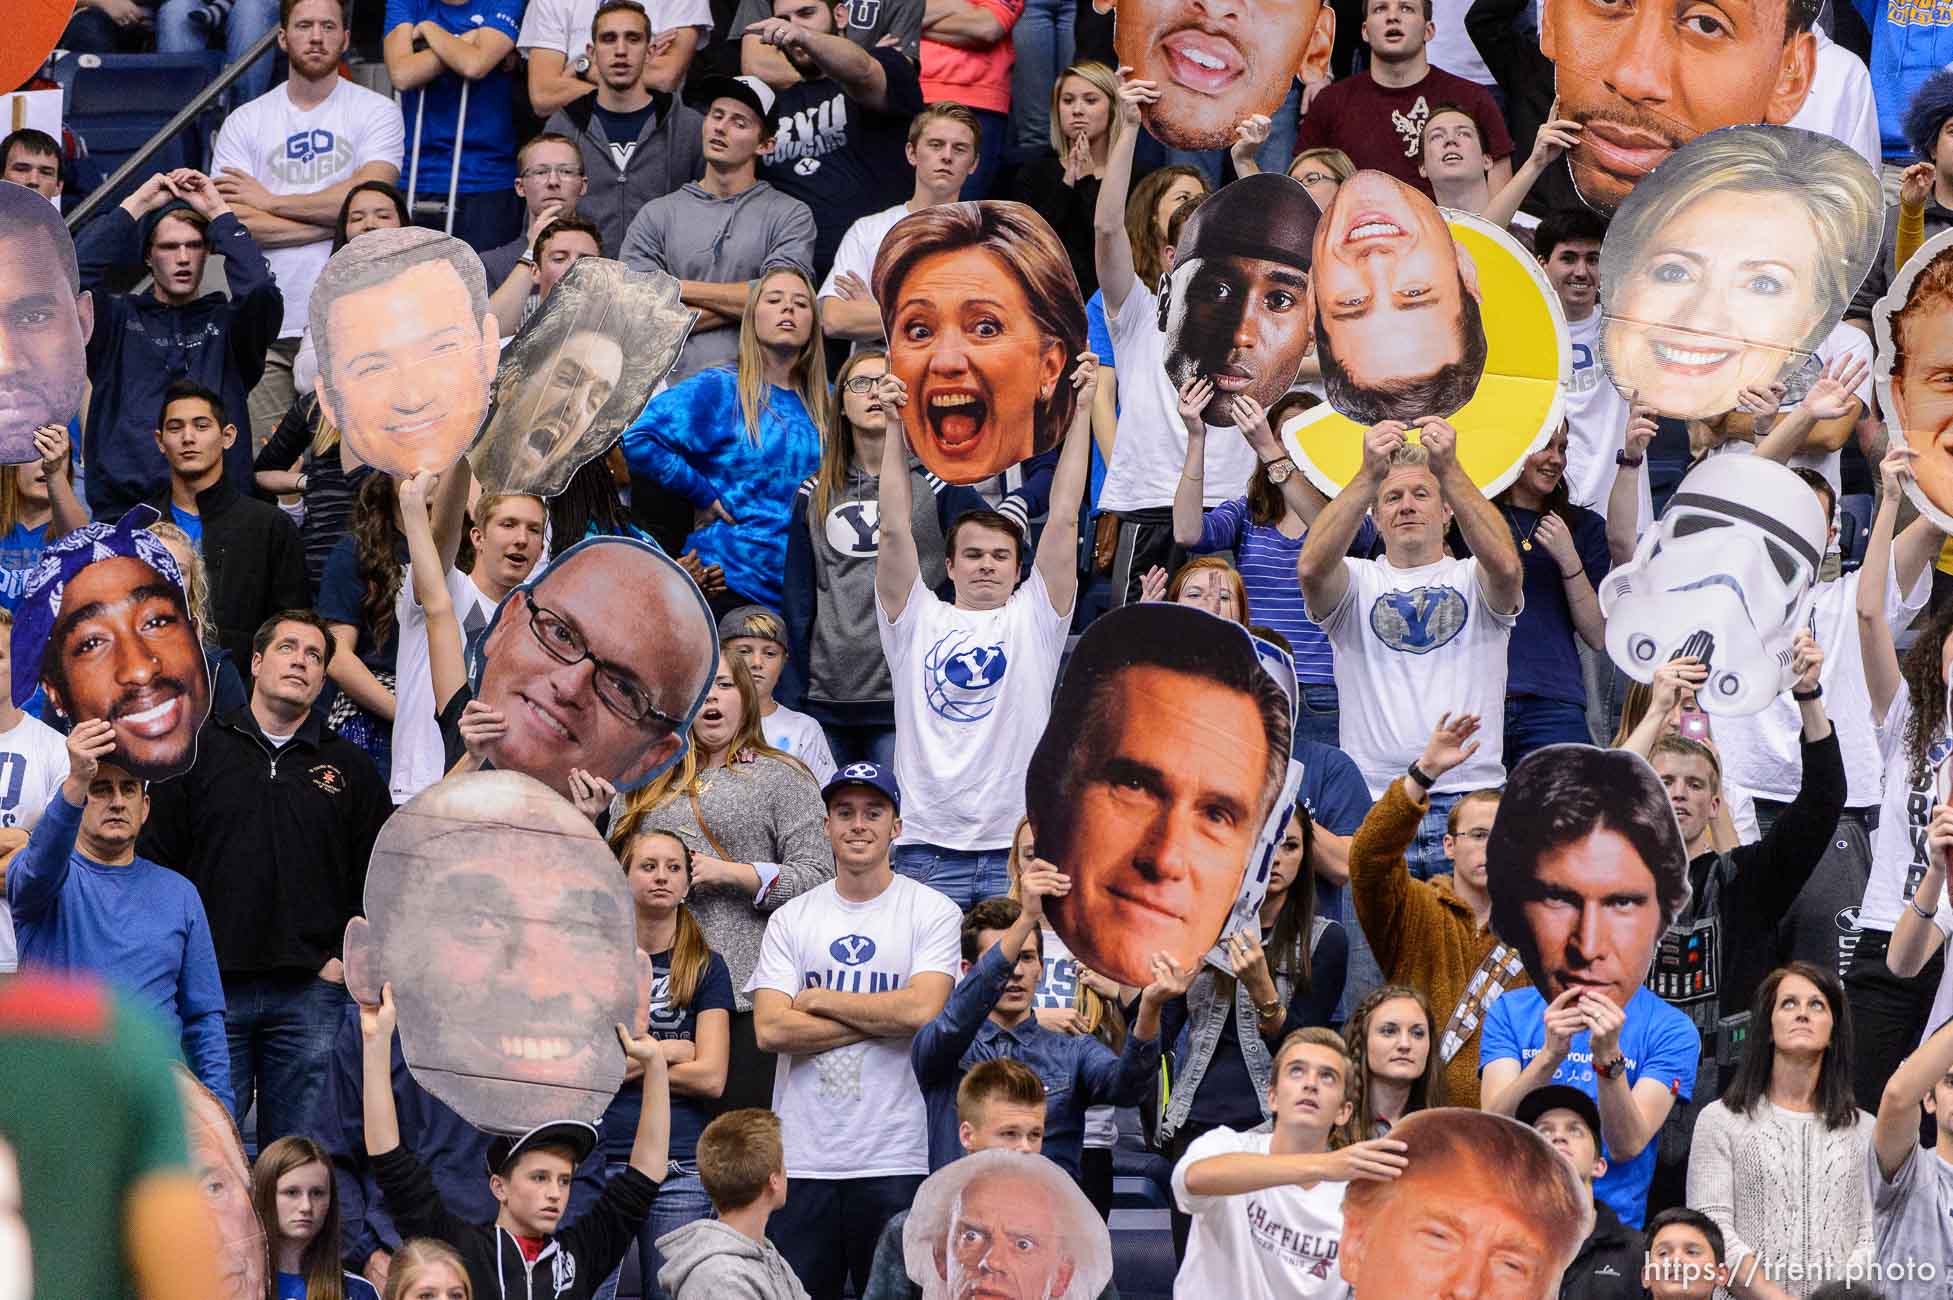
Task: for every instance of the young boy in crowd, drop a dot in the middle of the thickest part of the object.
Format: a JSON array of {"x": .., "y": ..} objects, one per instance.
[
  {"x": 524, "y": 1252},
  {"x": 759, "y": 636},
  {"x": 1685, "y": 1256},
  {"x": 744, "y": 1169}
]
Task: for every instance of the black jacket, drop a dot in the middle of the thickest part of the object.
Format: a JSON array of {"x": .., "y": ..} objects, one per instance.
[
  {"x": 275, "y": 842},
  {"x": 255, "y": 559},
  {"x": 574, "y": 1262},
  {"x": 1608, "y": 1266}
]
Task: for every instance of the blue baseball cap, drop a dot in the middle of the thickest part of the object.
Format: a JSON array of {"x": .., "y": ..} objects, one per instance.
[{"x": 870, "y": 776}]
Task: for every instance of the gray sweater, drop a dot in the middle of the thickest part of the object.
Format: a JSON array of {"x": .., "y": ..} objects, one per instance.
[
  {"x": 670, "y": 150},
  {"x": 696, "y": 235},
  {"x": 767, "y": 810},
  {"x": 706, "y": 1260}
]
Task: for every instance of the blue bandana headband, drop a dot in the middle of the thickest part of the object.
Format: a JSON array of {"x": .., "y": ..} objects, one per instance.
[{"x": 40, "y": 607}]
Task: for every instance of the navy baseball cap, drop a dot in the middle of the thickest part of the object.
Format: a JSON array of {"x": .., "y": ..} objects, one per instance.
[
  {"x": 1558, "y": 1096},
  {"x": 572, "y": 1133},
  {"x": 869, "y": 776}
]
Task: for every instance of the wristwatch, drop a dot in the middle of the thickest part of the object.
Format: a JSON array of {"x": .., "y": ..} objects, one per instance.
[
  {"x": 1608, "y": 1069},
  {"x": 1632, "y": 462},
  {"x": 1279, "y": 470}
]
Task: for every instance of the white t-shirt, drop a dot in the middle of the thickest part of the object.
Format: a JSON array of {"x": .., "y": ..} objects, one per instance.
[
  {"x": 294, "y": 151},
  {"x": 33, "y": 763},
  {"x": 564, "y": 25},
  {"x": 1412, "y": 644},
  {"x": 1762, "y": 754},
  {"x": 1902, "y": 817},
  {"x": 1840, "y": 102},
  {"x": 1151, "y": 451},
  {"x": 972, "y": 692},
  {"x": 1597, "y": 417},
  {"x": 1451, "y": 47},
  {"x": 859, "y": 244},
  {"x": 419, "y": 759},
  {"x": 802, "y": 737},
  {"x": 1280, "y": 1241},
  {"x": 855, "y": 1111},
  {"x": 1843, "y": 341}
]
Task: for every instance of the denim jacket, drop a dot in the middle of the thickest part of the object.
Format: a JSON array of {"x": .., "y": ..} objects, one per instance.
[
  {"x": 1077, "y": 1070},
  {"x": 1203, "y": 1032}
]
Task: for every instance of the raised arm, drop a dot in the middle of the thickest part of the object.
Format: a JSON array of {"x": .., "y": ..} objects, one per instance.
[
  {"x": 445, "y": 661},
  {"x": 1111, "y": 249},
  {"x": 1320, "y": 568},
  {"x": 897, "y": 563},
  {"x": 1895, "y": 1134},
  {"x": 1831, "y": 406},
  {"x": 1300, "y": 495},
  {"x": 1500, "y": 574},
  {"x": 1190, "y": 494},
  {"x": 1916, "y": 936},
  {"x": 51, "y": 441},
  {"x": 1875, "y": 644},
  {"x": 381, "y": 1119},
  {"x": 1554, "y": 138},
  {"x": 1682, "y": 673},
  {"x": 651, "y": 1144},
  {"x": 1624, "y": 498},
  {"x": 1057, "y": 557}
]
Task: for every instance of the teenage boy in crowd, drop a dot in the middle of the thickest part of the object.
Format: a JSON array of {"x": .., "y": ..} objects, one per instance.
[
  {"x": 990, "y": 1015},
  {"x": 636, "y": 143},
  {"x": 847, "y": 974},
  {"x": 720, "y": 233},
  {"x": 1267, "y": 1204},
  {"x": 759, "y": 636},
  {"x": 530, "y": 1179},
  {"x": 1608, "y": 1266},
  {"x": 1912, "y": 1186},
  {"x": 549, "y": 176},
  {"x": 272, "y": 784},
  {"x": 743, "y": 1166},
  {"x": 1000, "y": 1106},
  {"x": 251, "y": 549},
  {"x": 82, "y": 900},
  {"x": 1435, "y": 935}
]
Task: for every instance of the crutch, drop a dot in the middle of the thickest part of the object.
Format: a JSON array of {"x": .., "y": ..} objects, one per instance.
[{"x": 454, "y": 168}]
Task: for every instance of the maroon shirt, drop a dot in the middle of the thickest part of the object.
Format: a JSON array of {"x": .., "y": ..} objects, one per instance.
[{"x": 1383, "y": 129}]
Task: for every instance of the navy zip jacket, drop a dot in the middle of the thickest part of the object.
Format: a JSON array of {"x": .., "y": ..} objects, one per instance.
[
  {"x": 139, "y": 346},
  {"x": 454, "y": 1151}
]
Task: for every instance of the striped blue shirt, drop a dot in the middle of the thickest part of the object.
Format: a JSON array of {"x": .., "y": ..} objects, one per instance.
[{"x": 1267, "y": 558}]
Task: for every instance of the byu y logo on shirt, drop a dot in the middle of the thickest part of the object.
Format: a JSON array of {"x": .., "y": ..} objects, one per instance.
[
  {"x": 963, "y": 680},
  {"x": 1420, "y": 620}
]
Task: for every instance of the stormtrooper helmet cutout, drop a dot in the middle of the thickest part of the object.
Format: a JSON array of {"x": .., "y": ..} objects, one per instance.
[{"x": 1725, "y": 576}]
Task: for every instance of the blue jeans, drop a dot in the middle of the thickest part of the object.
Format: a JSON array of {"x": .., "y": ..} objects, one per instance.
[
  {"x": 829, "y": 1227},
  {"x": 1275, "y": 154},
  {"x": 1318, "y": 715},
  {"x": 280, "y": 1029},
  {"x": 1426, "y": 856},
  {"x": 1534, "y": 722},
  {"x": 860, "y": 744},
  {"x": 965, "y": 876},
  {"x": 481, "y": 221},
  {"x": 1043, "y": 43},
  {"x": 248, "y": 20},
  {"x": 681, "y": 1200}
]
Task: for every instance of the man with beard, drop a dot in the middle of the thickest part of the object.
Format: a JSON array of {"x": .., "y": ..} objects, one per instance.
[
  {"x": 271, "y": 784},
  {"x": 45, "y": 321},
  {"x": 842, "y": 127},
  {"x": 286, "y": 161},
  {"x": 1377, "y": 116},
  {"x": 1644, "y": 81}
]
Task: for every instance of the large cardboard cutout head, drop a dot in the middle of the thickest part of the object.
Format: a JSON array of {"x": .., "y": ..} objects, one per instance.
[
  {"x": 1586, "y": 869},
  {"x": 984, "y": 321},
  {"x": 1236, "y": 307},
  {"x": 45, "y": 321},
  {"x": 406, "y": 348},
  {"x": 1644, "y": 81},
  {"x": 502, "y": 921},
  {"x": 1156, "y": 784},
  {"x": 105, "y": 627},
  {"x": 1399, "y": 327},
  {"x": 217, "y": 1159},
  {"x": 1483, "y": 1196},
  {"x": 1725, "y": 576},
  {"x": 1728, "y": 265},
  {"x": 578, "y": 371},
  {"x": 1914, "y": 326},
  {"x": 1005, "y": 1223},
  {"x": 1518, "y": 396},
  {"x": 1216, "y": 64},
  {"x": 600, "y": 662}
]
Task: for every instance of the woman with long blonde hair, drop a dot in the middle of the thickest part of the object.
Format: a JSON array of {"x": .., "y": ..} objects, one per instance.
[
  {"x": 752, "y": 822},
  {"x": 734, "y": 442},
  {"x": 1063, "y": 184},
  {"x": 691, "y": 1002},
  {"x": 297, "y": 1203}
]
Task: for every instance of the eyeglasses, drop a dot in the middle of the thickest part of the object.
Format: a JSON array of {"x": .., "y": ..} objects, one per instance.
[
  {"x": 862, "y": 383},
  {"x": 621, "y": 693},
  {"x": 1477, "y": 837},
  {"x": 568, "y": 171},
  {"x": 1316, "y": 178}
]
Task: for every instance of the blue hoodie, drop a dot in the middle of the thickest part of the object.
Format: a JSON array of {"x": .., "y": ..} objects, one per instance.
[
  {"x": 1910, "y": 42},
  {"x": 692, "y": 440}
]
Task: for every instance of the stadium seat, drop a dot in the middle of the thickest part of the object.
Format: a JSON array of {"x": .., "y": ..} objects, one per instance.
[{"x": 116, "y": 102}]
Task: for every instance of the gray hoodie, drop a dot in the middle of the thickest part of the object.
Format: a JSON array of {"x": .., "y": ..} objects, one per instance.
[{"x": 706, "y": 1260}]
